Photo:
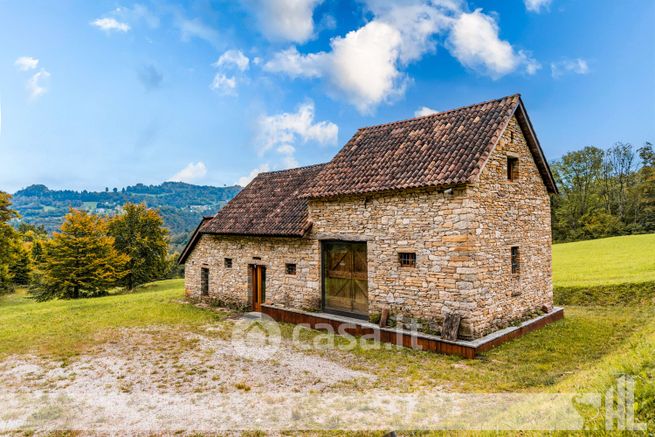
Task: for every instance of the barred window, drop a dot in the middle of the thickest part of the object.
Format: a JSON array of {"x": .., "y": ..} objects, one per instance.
[
  {"x": 290, "y": 269},
  {"x": 407, "y": 259},
  {"x": 516, "y": 261},
  {"x": 228, "y": 263}
]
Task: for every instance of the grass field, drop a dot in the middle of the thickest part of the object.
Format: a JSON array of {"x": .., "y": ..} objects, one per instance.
[
  {"x": 585, "y": 353},
  {"x": 66, "y": 327},
  {"x": 606, "y": 261}
]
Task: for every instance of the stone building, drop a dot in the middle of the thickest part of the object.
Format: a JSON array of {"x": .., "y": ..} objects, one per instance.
[{"x": 443, "y": 214}]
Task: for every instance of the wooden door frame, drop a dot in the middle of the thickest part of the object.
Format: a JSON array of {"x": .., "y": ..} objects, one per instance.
[
  {"x": 323, "y": 260},
  {"x": 258, "y": 277}
]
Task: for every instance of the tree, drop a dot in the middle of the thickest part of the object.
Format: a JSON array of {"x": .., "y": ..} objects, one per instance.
[
  {"x": 140, "y": 234},
  {"x": 80, "y": 260},
  {"x": 21, "y": 265},
  {"x": 8, "y": 242}
]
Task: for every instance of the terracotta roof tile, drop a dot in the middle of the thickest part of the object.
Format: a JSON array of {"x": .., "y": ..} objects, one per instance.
[
  {"x": 441, "y": 149},
  {"x": 269, "y": 205}
]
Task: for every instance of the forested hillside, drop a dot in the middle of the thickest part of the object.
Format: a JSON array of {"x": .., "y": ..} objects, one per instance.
[{"x": 181, "y": 205}]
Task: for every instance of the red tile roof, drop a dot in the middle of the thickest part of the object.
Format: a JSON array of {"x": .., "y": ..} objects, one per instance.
[
  {"x": 270, "y": 205},
  {"x": 442, "y": 149}
]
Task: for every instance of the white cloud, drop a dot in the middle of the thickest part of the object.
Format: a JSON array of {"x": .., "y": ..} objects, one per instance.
[
  {"x": 575, "y": 66},
  {"x": 361, "y": 65},
  {"x": 26, "y": 63},
  {"x": 110, "y": 24},
  {"x": 35, "y": 84},
  {"x": 245, "y": 180},
  {"x": 417, "y": 21},
  {"x": 536, "y": 5},
  {"x": 281, "y": 131},
  {"x": 475, "y": 42},
  {"x": 424, "y": 110},
  {"x": 234, "y": 58},
  {"x": 191, "y": 172},
  {"x": 366, "y": 65},
  {"x": 223, "y": 84},
  {"x": 295, "y": 64},
  {"x": 285, "y": 20}
]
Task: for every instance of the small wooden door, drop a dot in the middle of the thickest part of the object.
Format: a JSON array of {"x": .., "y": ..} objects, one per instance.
[{"x": 258, "y": 281}]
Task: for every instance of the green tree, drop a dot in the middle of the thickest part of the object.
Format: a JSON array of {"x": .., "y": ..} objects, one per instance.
[
  {"x": 8, "y": 242},
  {"x": 140, "y": 234},
  {"x": 21, "y": 265},
  {"x": 80, "y": 260}
]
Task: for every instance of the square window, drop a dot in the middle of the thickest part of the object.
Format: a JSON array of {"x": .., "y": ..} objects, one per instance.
[
  {"x": 516, "y": 261},
  {"x": 228, "y": 263},
  {"x": 290, "y": 269},
  {"x": 512, "y": 168},
  {"x": 407, "y": 259}
]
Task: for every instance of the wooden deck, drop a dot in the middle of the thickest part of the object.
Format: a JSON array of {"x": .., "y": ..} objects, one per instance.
[{"x": 405, "y": 338}]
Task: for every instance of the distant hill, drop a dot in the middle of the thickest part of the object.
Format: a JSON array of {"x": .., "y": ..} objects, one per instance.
[{"x": 181, "y": 205}]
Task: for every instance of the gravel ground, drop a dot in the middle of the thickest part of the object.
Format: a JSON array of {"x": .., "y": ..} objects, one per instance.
[{"x": 158, "y": 378}]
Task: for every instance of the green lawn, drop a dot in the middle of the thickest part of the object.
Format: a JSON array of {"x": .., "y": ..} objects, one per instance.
[
  {"x": 615, "y": 260},
  {"x": 63, "y": 328}
]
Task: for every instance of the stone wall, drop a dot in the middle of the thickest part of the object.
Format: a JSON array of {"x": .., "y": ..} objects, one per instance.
[
  {"x": 232, "y": 285},
  {"x": 433, "y": 224},
  {"x": 512, "y": 213}
]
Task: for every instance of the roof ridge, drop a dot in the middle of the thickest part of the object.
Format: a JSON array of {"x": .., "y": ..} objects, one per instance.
[
  {"x": 305, "y": 167},
  {"x": 438, "y": 114}
]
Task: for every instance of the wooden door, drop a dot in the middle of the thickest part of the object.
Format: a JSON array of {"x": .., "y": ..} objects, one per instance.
[
  {"x": 258, "y": 281},
  {"x": 345, "y": 278}
]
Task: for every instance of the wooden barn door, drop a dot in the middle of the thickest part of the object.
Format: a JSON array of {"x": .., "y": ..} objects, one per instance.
[{"x": 345, "y": 278}]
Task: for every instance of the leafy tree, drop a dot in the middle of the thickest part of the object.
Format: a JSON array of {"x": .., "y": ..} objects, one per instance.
[
  {"x": 140, "y": 234},
  {"x": 8, "y": 242},
  {"x": 80, "y": 260},
  {"x": 21, "y": 265}
]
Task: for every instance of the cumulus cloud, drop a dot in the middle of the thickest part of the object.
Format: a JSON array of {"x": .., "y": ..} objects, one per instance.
[
  {"x": 281, "y": 131},
  {"x": 424, "y": 110},
  {"x": 190, "y": 173},
  {"x": 36, "y": 86},
  {"x": 222, "y": 84},
  {"x": 569, "y": 66},
  {"x": 110, "y": 24},
  {"x": 245, "y": 180},
  {"x": 536, "y": 5},
  {"x": 475, "y": 42},
  {"x": 361, "y": 65},
  {"x": 26, "y": 63},
  {"x": 295, "y": 64},
  {"x": 233, "y": 58},
  {"x": 366, "y": 65},
  {"x": 285, "y": 20}
]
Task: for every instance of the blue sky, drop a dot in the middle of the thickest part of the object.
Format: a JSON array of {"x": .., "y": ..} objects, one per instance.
[{"x": 97, "y": 94}]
